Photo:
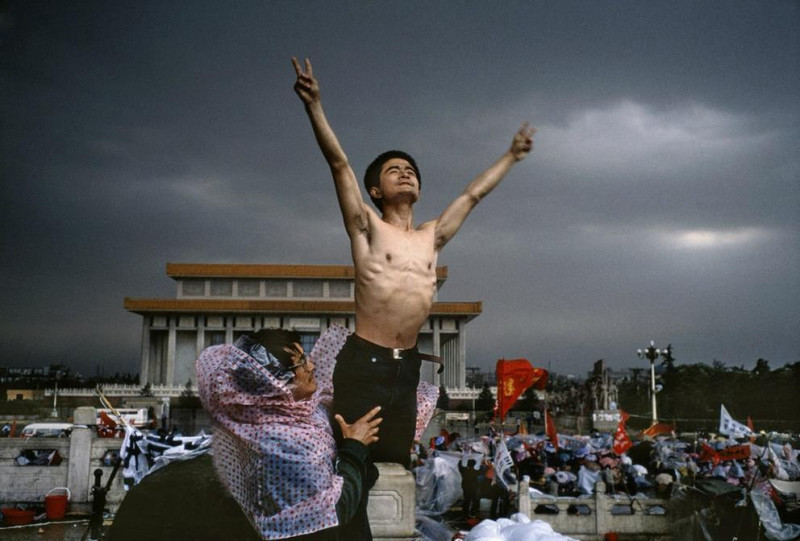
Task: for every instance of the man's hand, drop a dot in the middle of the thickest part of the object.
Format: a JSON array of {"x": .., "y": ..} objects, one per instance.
[
  {"x": 306, "y": 86},
  {"x": 364, "y": 430},
  {"x": 523, "y": 142}
]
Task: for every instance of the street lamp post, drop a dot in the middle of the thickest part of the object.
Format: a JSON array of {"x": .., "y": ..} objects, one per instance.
[
  {"x": 651, "y": 353},
  {"x": 54, "y": 413}
]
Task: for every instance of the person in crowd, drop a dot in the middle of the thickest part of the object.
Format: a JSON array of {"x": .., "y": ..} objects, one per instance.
[
  {"x": 274, "y": 448},
  {"x": 277, "y": 471},
  {"x": 469, "y": 486}
]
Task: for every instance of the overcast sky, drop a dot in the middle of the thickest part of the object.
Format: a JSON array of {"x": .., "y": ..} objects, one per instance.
[{"x": 661, "y": 201}]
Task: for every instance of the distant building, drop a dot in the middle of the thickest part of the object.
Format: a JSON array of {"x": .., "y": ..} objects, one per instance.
[
  {"x": 26, "y": 375},
  {"x": 216, "y": 303},
  {"x": 24, "y": 394}
]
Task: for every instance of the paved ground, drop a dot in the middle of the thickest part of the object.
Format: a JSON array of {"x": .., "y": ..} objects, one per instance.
[{"x": 51, "y": 531}]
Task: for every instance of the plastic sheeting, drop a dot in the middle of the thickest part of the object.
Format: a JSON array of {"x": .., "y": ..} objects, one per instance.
[
  {"x": 433, "y": 530},
  {"x": 438, "y": 484},
  {"x": 587, "y": 480},
  {"x": 768, "y": 513},
  {"x": 516, "y": 528}
]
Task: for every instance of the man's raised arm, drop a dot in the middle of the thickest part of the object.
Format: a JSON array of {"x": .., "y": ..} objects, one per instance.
[
  {"x": 347, "y": 190},
  {"x": 454, "y": 215}
]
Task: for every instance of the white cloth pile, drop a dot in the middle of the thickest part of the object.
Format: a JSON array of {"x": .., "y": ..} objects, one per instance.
[{"x": 518, "y": 527}]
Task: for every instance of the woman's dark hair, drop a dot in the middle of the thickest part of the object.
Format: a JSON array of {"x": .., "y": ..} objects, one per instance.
[
  {"x": 275, "y": 340},
  {"x": 372, "y": 176}
]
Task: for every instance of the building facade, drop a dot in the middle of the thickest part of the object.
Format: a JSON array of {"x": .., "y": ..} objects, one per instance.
[{"x": 217, "y": 303}]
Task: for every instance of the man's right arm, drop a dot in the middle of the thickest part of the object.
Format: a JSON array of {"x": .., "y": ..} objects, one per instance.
[{"x": 347, "y": 190}]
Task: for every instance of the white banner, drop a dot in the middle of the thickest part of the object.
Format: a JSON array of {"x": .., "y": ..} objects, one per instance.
[
  {"x": 729, "y": 427},
  {"x": 504, "y": 465}
]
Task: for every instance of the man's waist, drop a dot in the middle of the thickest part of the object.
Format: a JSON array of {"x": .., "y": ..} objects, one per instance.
[{"x": 394, "y": 353}]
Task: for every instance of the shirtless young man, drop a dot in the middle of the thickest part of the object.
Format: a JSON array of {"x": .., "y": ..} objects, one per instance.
[{"x": 395, "y": 273}]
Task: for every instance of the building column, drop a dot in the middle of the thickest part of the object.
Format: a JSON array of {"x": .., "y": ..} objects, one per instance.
[
  {"x": 144, "y": 371},
  {"x": 462, "y": 355},
  {"x": 229, "y": 330},
  {"x": 171, "y": 340},
  {"x": 437, "y": 349},
  {"x": 201, "y": 335}
]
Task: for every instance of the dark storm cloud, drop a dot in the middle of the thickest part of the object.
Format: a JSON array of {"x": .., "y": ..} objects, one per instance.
[{"x": 661, "y": 201}]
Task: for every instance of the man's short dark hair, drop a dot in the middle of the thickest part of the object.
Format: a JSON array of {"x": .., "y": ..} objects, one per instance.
[
  {"x": 275, "y": 340},
  {"x": 372, "y": 177}
]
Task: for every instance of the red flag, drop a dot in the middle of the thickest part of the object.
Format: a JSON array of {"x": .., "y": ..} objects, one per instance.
[
  {"x": 621, "y": 440},
  {"x": 750, "y": 424},
  {"x": 513, "y": 377},
  {"x": 106, "y": 420},
  {"x": 658, "y": 428},
  {"x": 550, "y": 429},
  {"x": 107, "y": 428},
  {"x": 13, "y": 431}
]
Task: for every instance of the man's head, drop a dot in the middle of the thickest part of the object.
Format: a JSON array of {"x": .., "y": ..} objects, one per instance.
[
  {"x": 372, "y": 176},
  {"x": 292, "y": 364}
]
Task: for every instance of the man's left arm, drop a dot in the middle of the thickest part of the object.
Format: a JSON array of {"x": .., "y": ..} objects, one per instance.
[{"x": 454, "y": 215}]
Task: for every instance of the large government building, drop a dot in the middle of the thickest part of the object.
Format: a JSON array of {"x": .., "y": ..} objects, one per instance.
[{"x": 216, "y": 303}]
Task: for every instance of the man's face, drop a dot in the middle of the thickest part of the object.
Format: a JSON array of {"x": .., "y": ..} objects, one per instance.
[
  {"x": 304, "y": 381},
  {"x": 398, "y": 179}
]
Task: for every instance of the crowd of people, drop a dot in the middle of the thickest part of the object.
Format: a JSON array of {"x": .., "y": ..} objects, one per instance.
[{"x": 662, "y": 467}]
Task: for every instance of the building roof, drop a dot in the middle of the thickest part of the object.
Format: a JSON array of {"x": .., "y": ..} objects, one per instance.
[
  {"x": 151, "y": 306},
  {"x": 244, "y": 270}
]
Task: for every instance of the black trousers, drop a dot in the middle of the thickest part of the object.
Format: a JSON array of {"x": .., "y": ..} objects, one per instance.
[{"x": 369, "y": 375}]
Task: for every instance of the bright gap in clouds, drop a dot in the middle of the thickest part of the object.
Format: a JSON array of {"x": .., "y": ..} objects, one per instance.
[
  {"x": 709, "y": 239},
  {"x": 678, "y": 238},
  {"x": 629, "y": 135}
]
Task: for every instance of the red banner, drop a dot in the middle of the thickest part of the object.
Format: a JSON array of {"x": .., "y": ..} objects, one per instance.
[
  {"x": 621, "y": 440},
  {"x": 734, "y": 452},
  {"x": 709, "y": 454},
  {"x": 550, "y": 429},
  {"x": 513, "y": 377}
]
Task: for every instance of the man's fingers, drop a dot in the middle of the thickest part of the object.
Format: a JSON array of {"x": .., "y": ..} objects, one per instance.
[
  {"x": 340, "y": 420},
  {"x": 309, "y": 71},
  {"x": 370, "y": 414},
  {"x": 527, "y": 130},
  {"x": 296, "y": 65}
]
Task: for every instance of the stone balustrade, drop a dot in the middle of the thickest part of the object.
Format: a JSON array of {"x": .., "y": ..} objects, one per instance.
[{"x": 591, "y": 517}]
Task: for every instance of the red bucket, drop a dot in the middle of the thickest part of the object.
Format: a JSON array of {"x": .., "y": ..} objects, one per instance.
[
  {"x": 56, "y": 504},
  {"x": 17, "y": 517}
]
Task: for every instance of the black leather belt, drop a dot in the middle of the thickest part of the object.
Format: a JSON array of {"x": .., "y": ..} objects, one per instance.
[{"x": 397, "y": 353}]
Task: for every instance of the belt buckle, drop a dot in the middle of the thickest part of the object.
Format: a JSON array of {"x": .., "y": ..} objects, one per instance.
[{"x": 397, "y": 354}]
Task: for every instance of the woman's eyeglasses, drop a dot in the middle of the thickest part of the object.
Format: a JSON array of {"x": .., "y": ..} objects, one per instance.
[{"x": 303, "y": 362}]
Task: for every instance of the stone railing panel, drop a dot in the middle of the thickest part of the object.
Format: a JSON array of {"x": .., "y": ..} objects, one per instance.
[
  {"x": 30, "y": 483},
  {"x": 588, "y": 517},
  {"x": 391, "y": 503}
]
